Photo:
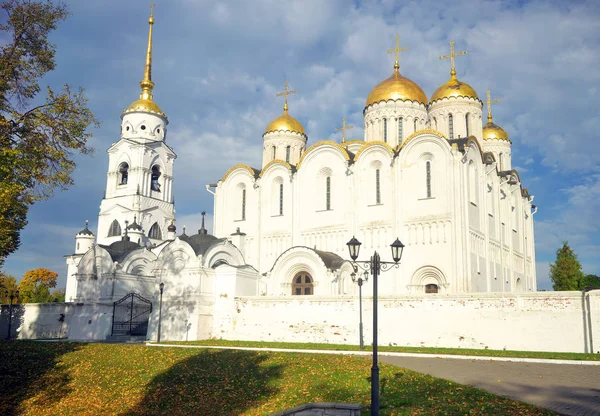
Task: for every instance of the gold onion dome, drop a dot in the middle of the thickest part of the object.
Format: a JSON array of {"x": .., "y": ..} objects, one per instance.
[
  {"x": 396, "y": 87},
  {"x": 490, "y": 130},
  {"x": 145, "y": 102},
  {"x": 285, "y": 122},
  {"x": 454, "y": 88}
]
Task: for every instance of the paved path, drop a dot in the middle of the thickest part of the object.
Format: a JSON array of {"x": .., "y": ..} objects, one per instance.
[{"x": 563, "y": 388}]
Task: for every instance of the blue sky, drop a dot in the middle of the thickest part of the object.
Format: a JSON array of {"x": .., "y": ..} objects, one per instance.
[{"x": 218, "y": 65}]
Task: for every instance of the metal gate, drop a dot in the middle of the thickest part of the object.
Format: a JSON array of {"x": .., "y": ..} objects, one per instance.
[{"x": 130, "y": 315}]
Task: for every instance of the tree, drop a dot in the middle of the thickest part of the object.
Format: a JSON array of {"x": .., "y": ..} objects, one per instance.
[
  {"x": 36, "y": 284},
  {"x": 38, "y": 136},
  {"x": 58, "y": 295},
  {"x": 565, "y": 272},
  {"x": 7, "y": 283},
  {"x": 590, "y": 280}
]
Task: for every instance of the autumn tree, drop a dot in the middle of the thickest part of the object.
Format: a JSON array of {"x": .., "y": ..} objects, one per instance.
[
  {"x": 565, "y": 272},
  {"x": 7, "y": 284},
  {"x": 36, "y": 284},
  {"x": 39, "y": 135}
]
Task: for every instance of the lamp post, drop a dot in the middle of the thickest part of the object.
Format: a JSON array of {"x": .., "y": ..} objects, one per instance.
[
  {"x": 161, "y": 287},
  {"x": 360, "y": 282},
  {"x": 11, "y": 296},
  {"x": 375, "y": 266}
]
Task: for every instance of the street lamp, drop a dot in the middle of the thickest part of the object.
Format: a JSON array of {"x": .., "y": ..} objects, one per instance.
[
  {"x": 360, "y": 282},
  {"x": 375, "y": 266},
  {"x": 11, "y": 297},
  {"x": 161, "y": 287}
]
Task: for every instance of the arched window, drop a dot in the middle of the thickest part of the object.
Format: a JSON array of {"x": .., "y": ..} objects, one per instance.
[
  {"x": 415, "y": 124},
  {"x": 432, "y": 288},
  {"x": 274, "y": 151},
  {"x": 123, "y": 172},
  {"x": 115, "y": 229},
  {"x": 154, "y": 185},
  {"x": 280, "y": 199},
  {"x": 428, "y": 178},
  {"x": 302, "y": 284},
  {"x": 155, "y": 232},
  {"x": 400, "y": 130},
  {"x": 385, "y": 130},
  {"x": 450, "y": 127},
  {"x": 377, "y": 188},
  {"x": 467, "y": 123},
  {"x": 288, "y": 149},
  {"x": 500, "y": 158},
  {"x": 243, "y": 204},
  {"x": 328, "y": 193}
]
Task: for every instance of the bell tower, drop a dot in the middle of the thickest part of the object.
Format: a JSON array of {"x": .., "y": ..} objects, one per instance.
[{"x": 140, "y": 168}]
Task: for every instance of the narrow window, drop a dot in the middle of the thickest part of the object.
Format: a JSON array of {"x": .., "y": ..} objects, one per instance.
[
  {"x": 274, "y": 149},
  {"x": 467, "y": 123},
  {"x": 385, "y": 130},
  {"x": 377, "y": 188},
  {"x": 154, "y": 185},
  {"x": 124, "y": 172},
  {"x": 243, "y": 204},
  {"x": 435, "y": 122},
  {"x": 450, "y": 127},
  {"x": 501, "y": 162},
  {"x": 328, "y": 193},
  {"x": 154, "y": 232},
  {"x": 428, "y": 177},
  {"x": 115, "y": 229},
  {"x": 400, "y": 130},
  {"x": 415, "y": 124},
  {"x": 287, "y": 154},
  {"x": 280, "y": 199}
]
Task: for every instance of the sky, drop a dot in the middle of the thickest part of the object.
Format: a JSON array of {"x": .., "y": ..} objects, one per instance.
[{"x": 217, "y": 66}]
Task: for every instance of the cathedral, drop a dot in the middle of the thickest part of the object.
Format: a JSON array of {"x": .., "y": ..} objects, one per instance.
[{"x": 427, "y": 171}]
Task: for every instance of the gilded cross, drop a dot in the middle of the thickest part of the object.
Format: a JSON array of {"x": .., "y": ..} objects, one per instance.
[
  {"x": 451, "y": 56},
  {"x": 489, "y": 102},
  {"x": 152, "y": 9},
  {"x": 343, "y": 129},
  {"x": 285, "y": 93},
  {"x": 397, "y": 50}
]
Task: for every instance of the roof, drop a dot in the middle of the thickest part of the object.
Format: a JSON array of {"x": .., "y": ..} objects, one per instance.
[
  {"x": 201, "y": 242},
  {"x": 332, "y": 261},
  {"x": 120, "y": 249}
]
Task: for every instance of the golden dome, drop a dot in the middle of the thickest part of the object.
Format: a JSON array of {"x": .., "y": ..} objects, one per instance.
[
  {"x": 454, "y": 88},
  {"x": 397, "y": 87},
  {"x": 145, "y": 105},
  {"x": 494, "y": 132},
  {"x": 285, "y": 122}
]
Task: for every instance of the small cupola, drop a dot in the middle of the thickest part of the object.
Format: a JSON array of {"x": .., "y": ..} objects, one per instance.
[{"x": 84, "y": 240}]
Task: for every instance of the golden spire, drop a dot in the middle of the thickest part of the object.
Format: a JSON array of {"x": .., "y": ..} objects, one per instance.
[
  {"x": 146, "y": 83},
  {"x": 343, "y": 129},
  {"x": 397, "y": 50},
  {"x": 285, "y": 93},
  {"x": 489, "y": 102},
  {"x": 451, "y": 56}
]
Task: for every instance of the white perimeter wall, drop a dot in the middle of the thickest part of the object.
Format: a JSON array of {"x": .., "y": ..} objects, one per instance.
[{"x": 543, "y": 321}]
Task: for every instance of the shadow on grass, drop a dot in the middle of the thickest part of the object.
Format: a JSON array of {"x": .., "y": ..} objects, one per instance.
[
  {"x": 211, "y": 382},
  {"x": 28, "y": 368}
]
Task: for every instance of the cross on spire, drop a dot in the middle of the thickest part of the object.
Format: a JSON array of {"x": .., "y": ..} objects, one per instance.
[
  {"x": 152, "y": 9},
  {"x": 343, "y": 129},
  {"x": 489, "y": 102},
  {"x": 397, "y": 50},
  {"x": 285, "y": 94},
  {"x": 451, "y": 56}
]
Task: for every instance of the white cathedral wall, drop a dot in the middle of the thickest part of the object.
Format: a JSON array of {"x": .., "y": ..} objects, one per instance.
[{"x": 559, "y": 321}]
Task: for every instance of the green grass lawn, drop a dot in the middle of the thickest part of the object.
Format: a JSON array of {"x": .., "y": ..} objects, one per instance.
[
  {"x": 417, "y": 350},
  {"x": 38, "y": 378}
]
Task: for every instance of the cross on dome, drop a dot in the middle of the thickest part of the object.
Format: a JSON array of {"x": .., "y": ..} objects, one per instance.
[
  {"x": 489, "y": 102},
  {"x": 285, "y": 94},
  {"x": 397, "y": 50},
  {"x": 343, "y": 129},
  {"x": 451, "y": 56}
]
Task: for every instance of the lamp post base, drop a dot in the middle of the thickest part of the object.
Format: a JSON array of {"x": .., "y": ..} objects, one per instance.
[{"x": 375, "y": 391}]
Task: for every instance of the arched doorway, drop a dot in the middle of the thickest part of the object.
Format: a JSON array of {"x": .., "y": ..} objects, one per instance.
[
  {"x": 432, "y": 288},
  {"x": 302, "y": 284}
]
